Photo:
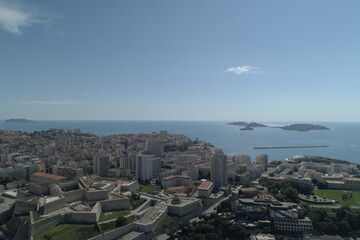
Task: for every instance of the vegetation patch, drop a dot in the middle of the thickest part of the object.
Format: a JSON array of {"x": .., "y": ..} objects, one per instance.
[
  {"x": 344, "y": 198},
  {"x": 113, "y": 215},
  {"x": 69, "y": 232},
  {"x": 207, "y": 202},
  {"x": 343, "y": 221},
  {"x": 149, "y": 188},
  {"x": 167, "y": 221}
]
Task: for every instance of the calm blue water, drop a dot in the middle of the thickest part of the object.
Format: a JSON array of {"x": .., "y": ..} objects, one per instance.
[{"x": 343, "y": 138}]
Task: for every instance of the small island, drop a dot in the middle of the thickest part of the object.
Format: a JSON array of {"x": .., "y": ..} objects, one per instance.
[
  {"x": 247, "y": 128},
  {"x": 247, "y": 125},
  {"x": 254, "y": 125},
  {"x": 293, "y": 127},
  {"x": 303, "y": 127},
  {"x": 19, "y": 120},
  {"x": 238, "y": 123}
]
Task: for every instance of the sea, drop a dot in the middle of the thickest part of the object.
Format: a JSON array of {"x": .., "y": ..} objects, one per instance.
[{"x": 343, "y": 139}]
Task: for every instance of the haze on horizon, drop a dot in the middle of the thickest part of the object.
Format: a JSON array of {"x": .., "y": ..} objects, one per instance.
[{"x": 253, "y": 60}]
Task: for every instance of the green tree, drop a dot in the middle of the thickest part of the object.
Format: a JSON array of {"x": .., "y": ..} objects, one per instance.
[{"x": 121, "y": 221}]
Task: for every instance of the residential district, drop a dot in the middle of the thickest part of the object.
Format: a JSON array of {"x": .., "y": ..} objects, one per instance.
[{"x": 66, "y": 184}]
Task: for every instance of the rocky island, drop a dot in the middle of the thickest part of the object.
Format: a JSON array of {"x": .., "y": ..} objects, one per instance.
[
  {"x": 303, "y": 127},
  {"x": 238, "y": 123},
  {"x": 293, "y": 127},
  {"x": 247, "y": 128},
  {"x": 247, "y": 125},
  {"x": 19, "y": 120}
]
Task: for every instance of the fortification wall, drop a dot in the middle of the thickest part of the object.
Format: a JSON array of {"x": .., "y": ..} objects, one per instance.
[
  {"x": 134, "y": 186},
  {"x": 144, "y": 206},
  {"x": 22, "y": 207},
  {"x": 181, "y": 210},
  {"x": 116, "y": 233},
  {"x": 97, "y": 209},
  {"x": 150, "y": 226},
  {"x": 54, "y": 205},
  {"x": 5, "y": 216},
  {"x": 23, "y": 232},
  {"x": 38, "y": 189},
  {"x": 96, "y": 195},
  {"x": 74, "y": 196},
  {"x": 115, "y": 204},
  {"x": 69, "y": 186},
  {"x": 47, "y": 223},
  {"x": 81, "y": 217}
]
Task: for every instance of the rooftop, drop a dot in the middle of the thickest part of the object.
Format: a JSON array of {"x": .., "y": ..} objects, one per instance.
[
  {"x": 205, "y": 185},
  {"x": 175, "y": 176},
  {"x": 48, "y": 175}
]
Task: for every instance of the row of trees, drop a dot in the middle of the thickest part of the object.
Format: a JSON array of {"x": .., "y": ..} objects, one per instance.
[
  {"x": 343, "y": 221},
  {"x": 212, "y": 227},
  {"x": 5, "y": 180},
  {"x": 288, "y": 189}
]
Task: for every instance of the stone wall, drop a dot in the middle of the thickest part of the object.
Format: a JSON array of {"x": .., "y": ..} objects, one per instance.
[
  {"x": 96, "y": 195},
  {"x": 81, "y": 217},
  {"x": 74, "y": 196},
  {"x": 97, "y": 209},
  {"x": 5, "y": 216},
  {"x": 52, "y": 206},
  {"x": 47, "y": 223},
  {"x": 181, "y": 210},
  {"x": 23, "y": 232},
  {"x": 69, "y": 186},
  {"x": 39, "y": 189},
  {"x": 115, "y": 204},
  {"x": 22, "y": 207},
  {"x": 116, "y": 233}
]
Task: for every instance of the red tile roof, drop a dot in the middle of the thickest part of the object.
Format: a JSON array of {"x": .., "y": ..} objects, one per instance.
[
  {"x": 174, "y": 176},
  {"x": 205, "y": 185},
  {"x": 48, "y": 175}
]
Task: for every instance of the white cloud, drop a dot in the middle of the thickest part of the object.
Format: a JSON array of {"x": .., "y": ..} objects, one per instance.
[
  {"x": 14, "y": 16},
  {"x": 243, "y": 70},
  {"x": 50, "y": 102}
]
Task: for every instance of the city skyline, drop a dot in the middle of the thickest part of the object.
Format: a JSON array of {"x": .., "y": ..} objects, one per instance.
[{"x": 161, "y": 60}]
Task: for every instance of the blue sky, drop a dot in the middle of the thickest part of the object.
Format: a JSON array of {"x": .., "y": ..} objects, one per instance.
[{"x": 180, "y": 60}]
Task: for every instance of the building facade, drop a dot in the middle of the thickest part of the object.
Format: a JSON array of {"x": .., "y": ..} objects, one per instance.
[{"x": 219, "y": 169}]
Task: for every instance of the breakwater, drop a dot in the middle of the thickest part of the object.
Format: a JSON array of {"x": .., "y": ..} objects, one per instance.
[{"x": 322, "y": 146}]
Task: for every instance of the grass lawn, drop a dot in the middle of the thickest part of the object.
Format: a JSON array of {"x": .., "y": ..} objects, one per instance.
[
  {"x": 113, "y": 215},
  {"x": 337, "y": 195},
  {"x": 108, "y": 226},
  {"x": 69, "y": 232},
  {"x": 149, "y": 188}
]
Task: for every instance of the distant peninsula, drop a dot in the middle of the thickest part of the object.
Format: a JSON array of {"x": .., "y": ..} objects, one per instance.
[
  {"x": 19, "y": 120},
  {"x": 303, "y": 127},
  {"x": 293, "y": 127}
]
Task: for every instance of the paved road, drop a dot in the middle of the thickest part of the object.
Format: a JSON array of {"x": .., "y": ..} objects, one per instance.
[{"x": 333, "y": 207}]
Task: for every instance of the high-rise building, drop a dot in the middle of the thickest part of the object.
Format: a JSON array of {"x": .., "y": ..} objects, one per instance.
[
  {"x": 154, "y": 147},
  {"x": 147, "y": 167},
  {"x": 102, "y": 164},
  {"x": 263, "y": 161},
  {"x": 128, "y": 162},
  {"x": 242, "y": 158},
  {"x": 219, "y": 169}
]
